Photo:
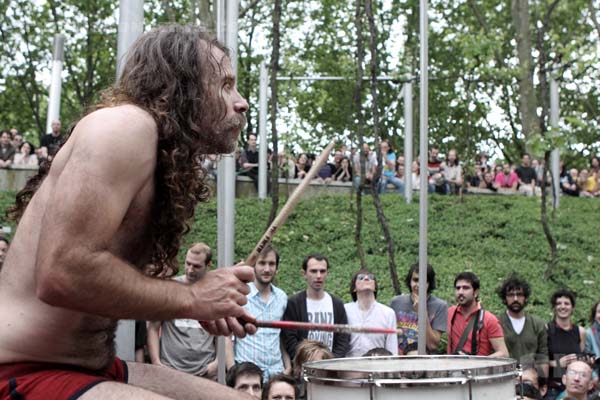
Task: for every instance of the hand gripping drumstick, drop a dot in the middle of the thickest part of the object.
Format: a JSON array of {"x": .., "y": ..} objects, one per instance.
[
  {"x": 338, "y": 328},
  {"x": 289, "y": 205}
]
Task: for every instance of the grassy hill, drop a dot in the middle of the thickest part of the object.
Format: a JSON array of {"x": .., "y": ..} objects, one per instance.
[{"x": 489, "y": 235}]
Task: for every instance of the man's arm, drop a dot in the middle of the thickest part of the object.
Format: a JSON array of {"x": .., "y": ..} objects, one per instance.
[
  {"x": 341, "y": 341},
  {"x": 102, "y": 171},
  {"x": 154, "y": 342},
  {"x": 285, "y": 358},
  {"x": 499, "y": 347},
  {"x": 290, "y": 338}
]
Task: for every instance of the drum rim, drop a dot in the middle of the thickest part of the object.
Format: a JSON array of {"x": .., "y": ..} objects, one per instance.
[{"x": 507, "y": 369}]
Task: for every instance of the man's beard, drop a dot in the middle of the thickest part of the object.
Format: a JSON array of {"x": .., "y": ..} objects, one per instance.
[
  {"x": 515, "y": 306},
  {"x": 224, "y": 137}
]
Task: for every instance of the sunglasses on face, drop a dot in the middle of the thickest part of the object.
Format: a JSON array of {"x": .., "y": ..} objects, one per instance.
[{"x": 362, "y": 277}]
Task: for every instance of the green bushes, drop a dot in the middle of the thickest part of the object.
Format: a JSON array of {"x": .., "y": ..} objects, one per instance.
[{"x": 490, "y": 235}]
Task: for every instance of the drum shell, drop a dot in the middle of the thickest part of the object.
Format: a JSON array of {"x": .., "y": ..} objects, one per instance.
[{"x": 415, "y": 377}]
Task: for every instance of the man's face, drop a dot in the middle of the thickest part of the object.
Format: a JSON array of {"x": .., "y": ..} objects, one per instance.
[
  {"x": 337, "y": 157},
  {"x": 266, "y": 268},
  {"x": 365, "y": 283},
  {"x": 464, "y": 293},
  {"x": 526, "y": 160},
  {"x": 578, "y": 378},
  {"x": 252, "y": 141},
  {"x": 222, "y": 85},
  {"x": 55, "y": 127},
  {"x": 414, "y": 284},
  {"x": 515, "y": 300},
  {"x": 281, "y": 391},
  {"x": 250, "y": 384},
  {"x": 315, "y": 274},
  {"x": 434, "y": 153},
  {"x": 195, "y": 266},
  {"x": 3, "y": 250},
  {"x": 5, "y": 139}
]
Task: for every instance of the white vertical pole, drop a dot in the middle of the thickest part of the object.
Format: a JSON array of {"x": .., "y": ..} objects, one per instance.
[
  {"x": 227, "y": 31},
  {"x": 58, "y": 57},
  {"x": 262, "y": 132},
  {"x": 424, "y": 114},
  {"x": 408, "y": 141},
  {"x": 555, "y": 155},
  {"x": 131, "y": 25}
]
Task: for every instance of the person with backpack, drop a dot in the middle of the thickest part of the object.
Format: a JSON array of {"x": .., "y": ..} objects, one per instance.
[{"x": 471, "y": 329}]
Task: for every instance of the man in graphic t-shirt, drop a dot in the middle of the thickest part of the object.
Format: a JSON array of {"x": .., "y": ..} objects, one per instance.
[{"x": 315, "y": 305}]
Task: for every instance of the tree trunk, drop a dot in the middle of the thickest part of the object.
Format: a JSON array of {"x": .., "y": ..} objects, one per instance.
[
  {"x": 375, "y": 181},
  {"x": 544, "y": 220},
  {"x": 527, "y": 98},
  {"x": 274, "y": 69},
  {"x": 360, "y": 55}
]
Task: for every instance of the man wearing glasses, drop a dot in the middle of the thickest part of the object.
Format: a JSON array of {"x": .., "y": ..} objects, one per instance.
[
  {"x": 366, "y": 311},
  {"x": 524, "y": 334},
  {"x": 578, "y": 380}
]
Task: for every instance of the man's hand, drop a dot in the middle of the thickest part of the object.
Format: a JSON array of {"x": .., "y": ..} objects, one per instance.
[{"x": 220, "y": 295}]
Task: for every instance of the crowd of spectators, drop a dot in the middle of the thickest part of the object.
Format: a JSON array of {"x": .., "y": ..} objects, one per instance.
[
  {"x": 17, "y": 153},
  {"x": 446, "y": 174},
  {"x": 559, "y": 359}
]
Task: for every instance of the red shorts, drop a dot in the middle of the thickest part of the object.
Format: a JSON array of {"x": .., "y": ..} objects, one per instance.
[{"x": 44, "y": 381}]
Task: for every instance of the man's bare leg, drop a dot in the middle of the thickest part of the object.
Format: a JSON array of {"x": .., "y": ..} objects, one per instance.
[
  {"x": 119, "y": 391},
  {"x": 179, "y": 385}
]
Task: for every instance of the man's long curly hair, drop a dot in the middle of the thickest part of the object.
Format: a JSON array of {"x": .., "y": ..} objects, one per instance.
[{"x": 168, "y": 74}]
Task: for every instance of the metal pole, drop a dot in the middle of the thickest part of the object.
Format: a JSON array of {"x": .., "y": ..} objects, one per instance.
[
  {"x": 262, "y": 132},
  {"x": 555, "y": 155},
  {"x": 408, "y": 141},
  {"x": 332, "y": 78},
  {"x": 131, "y": 25},
  {"x": 423, "y": 27},
  {"x": 227, "y": 31},
  {"x": 58, "y": 57}
]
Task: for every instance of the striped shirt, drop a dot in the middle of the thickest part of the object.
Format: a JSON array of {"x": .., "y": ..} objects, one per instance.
[{"x": 263, "y": 348}]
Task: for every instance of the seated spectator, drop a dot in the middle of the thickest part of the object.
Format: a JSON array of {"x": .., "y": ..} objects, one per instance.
[
  {"x": 488, "y": 182},
  {"x": 577, "y": 380},
  {"x": 344, "y": 172},
  {"x": 452, "y": 172},
  {"x": 388, "y": 173},
  {"x": 594, "y": 165},
  {"x": 17, "y": 138},
  {"x": 370, "y": 165},
  {"x": 281, "y": 387},
  {"x": 538, "y": 166},
  {"x": 477, "y": 176},
  {"x": 246, "y": 377},
  {"x": 53, "y": 140},
  {"x": 567, "y": 184},
  {"x": 530, "y": 385},
  {"x": 437, "y": 182},
  {"x": 378, "y": 352},
  {"x": 583, "y": 184},
  {"x": 527, "y": 176},
  {"x": 25, "y": 157},
  {"x": 366, "y": 311},
  {"x": 337, "y": 162},
  {"x": 506, "y": 178},
  {"x": 309, "y": 350},
  {"x": 7, "y": 151},
  {"x": 302, "y": 166},
  {"x": 592, "y": 334},
  {"x": 4, "y": 244},
  {"x": 415, "y": 175}
]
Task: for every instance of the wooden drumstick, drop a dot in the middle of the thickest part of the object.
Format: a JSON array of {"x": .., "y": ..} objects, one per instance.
[
  {"x": 337, "y": 328},
  {"x": 289, "y": 205}
]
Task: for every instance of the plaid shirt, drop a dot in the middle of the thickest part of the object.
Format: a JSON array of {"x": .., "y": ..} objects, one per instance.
[{"x": 263, "y": 348}]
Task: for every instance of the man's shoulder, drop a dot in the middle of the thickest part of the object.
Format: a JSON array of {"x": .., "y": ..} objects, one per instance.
[
  {"x": 436, "y": 302},
  {"x": 401, "y": 301},
  {"x": 335, "y": 300},
  {"x": 536, "y": 322},
  {"x": 297, "y": 296}
]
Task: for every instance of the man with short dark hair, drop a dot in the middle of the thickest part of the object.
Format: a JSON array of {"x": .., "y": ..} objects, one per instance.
[
  {"x": 406, "y": 308},
  {"x": 471, "y": 329},
  {"x": 246, "y": 377},
  {"x": 266, "y": 302},
  {"x": 317, "y": 306},
  {"x": 249, "y": 160},
  {"x": 524, "y": 334},
  {"x": 52, "y": 141},
  {"x": 527, "y": 176},
  {"x": 4, "y": 244}
]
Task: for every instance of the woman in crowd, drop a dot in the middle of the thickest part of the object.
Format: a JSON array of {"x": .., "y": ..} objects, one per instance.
[
  {"x": 566, "y": 341},
  {"x": 280, "y": 387},
  {"x": 592, "y": 334},
  {"x": 25, "y": 157},
  {"x": 452, "y": 172},
  {"x": 344, "y": 172},
  {"x": 302, "y": 166},
  {"x": 308, "y": 350}
]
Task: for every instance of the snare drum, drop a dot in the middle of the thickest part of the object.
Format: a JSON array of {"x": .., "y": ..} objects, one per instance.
[{"x": 411, "y": 377}]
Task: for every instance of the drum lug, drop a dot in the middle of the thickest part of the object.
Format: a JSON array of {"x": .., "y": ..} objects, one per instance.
[{"x": 469, "y": 376}]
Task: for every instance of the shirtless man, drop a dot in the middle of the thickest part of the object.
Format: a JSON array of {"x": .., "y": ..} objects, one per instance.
[{"x": 118, "y": 196}]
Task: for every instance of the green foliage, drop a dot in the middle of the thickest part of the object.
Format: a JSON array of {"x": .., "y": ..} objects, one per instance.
[{"x": 489, "y": 235}]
